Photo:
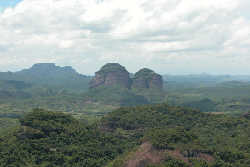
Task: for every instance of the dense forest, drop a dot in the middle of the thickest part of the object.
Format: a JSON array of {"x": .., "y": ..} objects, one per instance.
[{"x": 177, "y": 136}]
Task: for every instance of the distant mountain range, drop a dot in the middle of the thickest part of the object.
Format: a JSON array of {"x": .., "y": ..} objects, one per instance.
[
  {"x": 122, "y": 87},
  {"x": 206, "y": 78},
  {"x": 51, "y": 75},
  {"x": 48, "y": 74},
  {"x": 112, "y": 84}
]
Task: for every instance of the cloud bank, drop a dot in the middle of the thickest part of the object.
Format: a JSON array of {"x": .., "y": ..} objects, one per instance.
[{"x": 170, "y": 36}]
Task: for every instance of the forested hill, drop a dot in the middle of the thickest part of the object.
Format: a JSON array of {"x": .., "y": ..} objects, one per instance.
[
  {"x": 49, "y": 74},
  {"x": 151, "y": 135}
]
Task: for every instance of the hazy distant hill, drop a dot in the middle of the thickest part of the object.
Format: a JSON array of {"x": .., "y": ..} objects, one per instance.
[
  {"x": 13, "y": 85},
  {"x": 205, "y": 78},
  {"x": 48, "y": 74}
]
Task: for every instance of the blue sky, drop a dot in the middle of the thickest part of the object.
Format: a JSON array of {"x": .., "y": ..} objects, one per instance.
[
  {"x": 7, "y": 3},
  {"x": 168, "y": 36}
]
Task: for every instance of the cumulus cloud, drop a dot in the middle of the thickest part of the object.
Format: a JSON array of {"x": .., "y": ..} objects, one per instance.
[{"x": 171, "y": 36}]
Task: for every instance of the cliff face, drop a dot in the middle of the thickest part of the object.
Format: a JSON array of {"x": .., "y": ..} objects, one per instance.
[
  {"x": 111, "y": 74},
  {"x": 115, "y": 74},
  {"x": 147, "y": 79},
  {"x": 247, "y": 115}
]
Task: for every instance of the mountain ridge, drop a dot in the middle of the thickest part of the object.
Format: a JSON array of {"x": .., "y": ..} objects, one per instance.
[{"x": 48, "y": 74}]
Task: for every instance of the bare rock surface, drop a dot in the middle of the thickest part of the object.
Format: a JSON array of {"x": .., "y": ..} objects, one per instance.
[
  {"x": 147, "y": 79},
  {"x": 111, "y": 74}
]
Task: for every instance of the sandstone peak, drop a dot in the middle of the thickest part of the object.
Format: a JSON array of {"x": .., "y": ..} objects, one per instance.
[
  {"x": 112, "y": 67},
  {"x": 147, "y": 79},
  {"x": 111, "y": 74},
  {"x": 114, "y": 74}
]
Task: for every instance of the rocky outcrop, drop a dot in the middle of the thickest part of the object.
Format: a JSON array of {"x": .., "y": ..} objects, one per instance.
[
  {"x": 111, "y": 74},
  {"x": 114, "y": 74},
  {"x": 147, "y": 79},
  {"x": 247, "y": 115}
]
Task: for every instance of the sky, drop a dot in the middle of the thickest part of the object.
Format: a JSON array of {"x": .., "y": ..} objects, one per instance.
[
  {"x": 168, "y": 36},
  {"x": 8, "y": 3}
]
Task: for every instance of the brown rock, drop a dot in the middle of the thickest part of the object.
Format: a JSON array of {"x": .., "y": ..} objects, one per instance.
[
  {"x": 145, "y": 156},
  {"x": 147, "y": 79},
  {"x": 111, "y": 74},
  {"x": 247, "y": 115}
]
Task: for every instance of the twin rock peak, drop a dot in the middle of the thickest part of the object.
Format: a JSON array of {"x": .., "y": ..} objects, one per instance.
[{"x": 113, "y": 74}]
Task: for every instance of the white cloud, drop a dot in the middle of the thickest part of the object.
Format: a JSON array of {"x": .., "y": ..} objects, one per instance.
[{"x": 176, "y": 36}]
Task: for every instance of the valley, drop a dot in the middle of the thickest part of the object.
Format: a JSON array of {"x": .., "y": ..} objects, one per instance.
[{"x": 119, "y": 119}]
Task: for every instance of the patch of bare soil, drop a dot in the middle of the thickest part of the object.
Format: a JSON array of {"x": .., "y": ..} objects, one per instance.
[
  {"x": 145, "y": 155},
  {"x": 217, "y": 113},
  {"x": 201, "y": 156},
  {"x": 176, "y": 154},
  {"x": 206, "y": 157}
]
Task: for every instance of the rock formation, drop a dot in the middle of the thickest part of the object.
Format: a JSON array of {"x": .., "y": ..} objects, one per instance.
[
  {"x": 147, "y": 79},
  {"x": 114, "y": 74},
  {"x": 247, "y": 115},
  {"x": 111, "y": 74}
]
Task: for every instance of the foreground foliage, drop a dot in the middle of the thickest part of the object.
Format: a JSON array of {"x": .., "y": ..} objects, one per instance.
[
  {"x": 56, "y": 139},
  {"x": 222, "y": 138}
]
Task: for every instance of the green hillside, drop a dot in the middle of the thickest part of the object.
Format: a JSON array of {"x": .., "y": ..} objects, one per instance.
[
  {"x": 55, "y": 139},
  {"x": 179, "y": 136},
  {"x": 190, "y": 133},
  {"x": 49, "y": 75}
]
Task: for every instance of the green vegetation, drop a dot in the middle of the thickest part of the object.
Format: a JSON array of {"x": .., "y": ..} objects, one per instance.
[
  {"x": 111, "y": 67},
  {"x": 153, "y": 96},
  {"x": 56, "y": 139},
  {"x": 47, "y": 75},
  {"x": 223, "y": 138},
  {"x": 115, "y": 95},
  {"x": 144, "y": 73},
  {"x": 74, "y": 126},
  {"x": 205, "y": 105},
  {"x": 225, "y": 97},
  {"x": 170, "y": 138},
  {"x": 7, "y": 124}
]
